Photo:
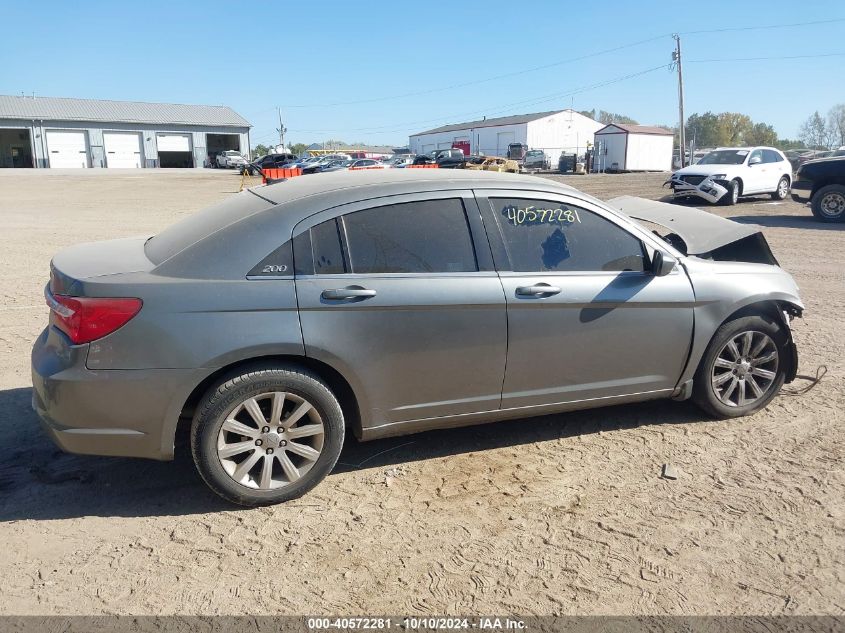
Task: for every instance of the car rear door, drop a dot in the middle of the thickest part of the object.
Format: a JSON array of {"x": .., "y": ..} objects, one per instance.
[
  {"x": 400, "y": 295},
  {"x": 776, "y": 167},
  {"x": 586, "y": 318}
]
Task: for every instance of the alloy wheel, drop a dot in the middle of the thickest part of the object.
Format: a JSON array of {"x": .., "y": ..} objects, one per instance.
[
  {"x": 745, "y": 369},
  {"x": 270, "y": 440},
  {"x": 783, "y": 188},
  {"x": 832, "y": 205}
]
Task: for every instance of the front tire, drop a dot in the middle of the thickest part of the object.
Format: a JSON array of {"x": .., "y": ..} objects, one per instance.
[
  {"x": 267, "y": 435},
  {"x": 783, "y": 189},
  {"x": 828, "y": 204},
  {"x": 732, "y": 196},
  {"x": 744, "y": 367}
]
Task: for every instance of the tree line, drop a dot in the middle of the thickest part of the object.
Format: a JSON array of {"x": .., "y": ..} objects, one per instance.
[
  {"x": 819, "y": 132},
  {"x": 734, "y": 128}
]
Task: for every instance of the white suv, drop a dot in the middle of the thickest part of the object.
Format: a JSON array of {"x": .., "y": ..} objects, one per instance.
[
  {"x": 231, "y": 159},
  {"x": 727, "y": 173}
]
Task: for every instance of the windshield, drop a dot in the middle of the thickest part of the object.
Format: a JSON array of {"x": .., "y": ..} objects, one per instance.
[
  {"x": 231, "y": 153},
  {"x": 725, "y": 157}
]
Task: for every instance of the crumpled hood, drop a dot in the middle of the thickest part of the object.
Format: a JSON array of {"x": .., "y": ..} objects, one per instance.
[{"x": 704, "y": 234}]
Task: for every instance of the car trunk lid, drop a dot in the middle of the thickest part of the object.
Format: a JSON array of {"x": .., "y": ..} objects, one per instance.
[{"x": 74, "y": 265}]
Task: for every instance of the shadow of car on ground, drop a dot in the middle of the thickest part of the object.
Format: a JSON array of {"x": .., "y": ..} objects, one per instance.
[
  {"x": 788, "y": 222},
  {"x": 40, "y": 482}
]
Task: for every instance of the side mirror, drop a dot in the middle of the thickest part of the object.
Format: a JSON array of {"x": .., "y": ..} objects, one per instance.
[
  {"x": 755, "y": 160},
  {"x": 662, "y": 264}
]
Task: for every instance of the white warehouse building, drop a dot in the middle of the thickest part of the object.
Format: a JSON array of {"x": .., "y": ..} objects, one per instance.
[
  {"x": 89, "y": 133},
  {"x": 623, "y": 147},
  {"x": 554, "y": 132}
]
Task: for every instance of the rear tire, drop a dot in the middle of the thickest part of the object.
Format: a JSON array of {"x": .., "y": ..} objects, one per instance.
[
  {"x": 783, "y": 189},
  {"x": 828, "y": 204},
  {"x": 283, "y": 434},
  {"x": 732, "y": 196},
  {"x": 743, "y": 368}
]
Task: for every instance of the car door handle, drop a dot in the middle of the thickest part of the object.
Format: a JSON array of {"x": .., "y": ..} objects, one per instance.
[
  {"x": 355, "y": 292},
  {"x": 537, "y": 290}
]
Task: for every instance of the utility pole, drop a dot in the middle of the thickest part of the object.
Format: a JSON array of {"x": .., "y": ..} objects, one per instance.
[
  {"x": 281, "y": 129},
  {"x": 676, "y": 58}
]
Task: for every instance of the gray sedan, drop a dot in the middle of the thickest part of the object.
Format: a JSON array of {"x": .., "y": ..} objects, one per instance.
[{"x": 394, "y": 301}]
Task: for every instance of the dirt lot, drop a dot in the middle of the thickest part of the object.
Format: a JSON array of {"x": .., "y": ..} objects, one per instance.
[{"x": 564, "y": 514}]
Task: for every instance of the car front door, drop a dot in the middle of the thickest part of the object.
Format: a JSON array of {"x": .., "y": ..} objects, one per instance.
[
  {"x": 755, "y": 179},
  {"x": 401, "y": 297},
  {"x": 587, "y": 320}
]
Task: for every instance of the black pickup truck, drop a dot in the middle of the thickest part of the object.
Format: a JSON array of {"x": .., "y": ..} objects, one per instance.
[{"x": 822, "y": 183}]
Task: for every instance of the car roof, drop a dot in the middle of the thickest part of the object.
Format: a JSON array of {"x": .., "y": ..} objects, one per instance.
[
  {"x": 746, "y": 147},
  {"x": 265, "y": 216},
  {"x": 391, "y": 182}
]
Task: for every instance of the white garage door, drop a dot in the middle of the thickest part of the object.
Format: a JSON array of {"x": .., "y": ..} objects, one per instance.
[
  {"x": 428, "y": 148},
  {"x": 67, "y": 149},
  {"x": 123, "y": 149},
  {"x": 174, "y": 142},
  {"x": 503, "y": 139}
]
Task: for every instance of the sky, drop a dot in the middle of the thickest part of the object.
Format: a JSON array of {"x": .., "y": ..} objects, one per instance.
[{"x": 375, "y": 72}]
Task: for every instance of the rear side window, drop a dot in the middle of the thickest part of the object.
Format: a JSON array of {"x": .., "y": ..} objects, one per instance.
[
  {"x": 546, "y": 236},
  {"x": 416, "y": 237},
  {"x": 771, "y": 156},
  {"x": 326, "y": 249}
]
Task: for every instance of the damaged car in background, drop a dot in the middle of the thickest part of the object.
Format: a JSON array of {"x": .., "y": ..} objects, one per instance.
[{"x": 728, "y": 173}]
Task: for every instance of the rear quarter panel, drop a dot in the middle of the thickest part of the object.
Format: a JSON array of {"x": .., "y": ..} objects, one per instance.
[{"x": 190, "y": 324}]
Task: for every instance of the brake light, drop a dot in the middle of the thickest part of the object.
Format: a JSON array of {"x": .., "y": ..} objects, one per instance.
[{"x": 85, "y": 319}]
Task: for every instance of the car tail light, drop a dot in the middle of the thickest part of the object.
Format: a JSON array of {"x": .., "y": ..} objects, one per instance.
[{"x": 85, "y": 319}]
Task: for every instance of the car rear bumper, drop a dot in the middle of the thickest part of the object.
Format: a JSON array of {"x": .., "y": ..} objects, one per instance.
[
  {"x": 801, "y": 191},
  {"x": 103, "y": 412}
]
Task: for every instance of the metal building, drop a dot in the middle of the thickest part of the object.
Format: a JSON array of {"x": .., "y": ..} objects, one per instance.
[
  {"x": 623, "y": 147},
  {"x": 88, "y": 133},
  {"x": 556, "y": 132}
]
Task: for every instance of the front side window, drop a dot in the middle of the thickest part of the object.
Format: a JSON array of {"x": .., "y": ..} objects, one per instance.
[
  {"x": 415, "y": 237},
  {"x": 758, "y": 154},
  {"x": 547, "y": 236}
]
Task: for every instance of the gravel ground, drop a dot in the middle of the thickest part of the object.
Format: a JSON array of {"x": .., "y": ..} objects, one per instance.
[{"x": 564, "y": 514}]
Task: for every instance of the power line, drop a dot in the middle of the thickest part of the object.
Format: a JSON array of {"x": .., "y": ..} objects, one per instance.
[
  {"x": 758, "y": 27},
  {"x": 561, "y": 62},
  {"x": 754, "y": 59},
  {"x": 401, "y": 127},
  {"x": 479, "y": 81}
]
